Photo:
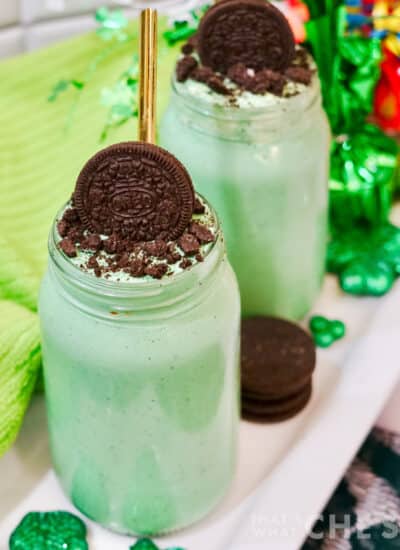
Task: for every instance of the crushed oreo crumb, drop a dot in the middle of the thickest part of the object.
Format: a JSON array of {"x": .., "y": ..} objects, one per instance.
[
  {"x": 68, "y": 247},
  {"x": 156, "y": 248},
  {"x": 63, "y": 228},
  {"x": 202, "y": 74},
  {"x": 239, "y": 74},
  {"x": 115, "y": 253},
  {"x": 189, "y": 244},
  {"x": 217, "y": 84},
  {"x": 93, "y": 242},
  {"x": 199, "y": 207},
  {"x": 299, "y": 74},
  {"x": 185, "y": 263},
  {"x": 201, "y": 232},
  {"x": 137, "y": 267},
  {"x": 187, "y": 48},
  {"x": 267, "y": 81},
  {"x": 157, "y": 271},
  {"x": 111, "y": 244},
  {"x": 173, "y": 258},
  {"x": 245, "y": 78},
  {"x": 185, "y": 68}
]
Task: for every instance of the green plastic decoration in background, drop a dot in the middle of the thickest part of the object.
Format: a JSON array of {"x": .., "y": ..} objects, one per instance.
[{"x": 39, "y": 163}]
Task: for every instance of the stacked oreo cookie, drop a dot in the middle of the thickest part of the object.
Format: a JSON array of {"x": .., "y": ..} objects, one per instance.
[{"x": 278, "y": 359}]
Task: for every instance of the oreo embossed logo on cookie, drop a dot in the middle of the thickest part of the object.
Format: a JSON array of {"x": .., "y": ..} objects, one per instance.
[
  {"x": 136, "y": 190},
  {"x": 252, "y": 32}
]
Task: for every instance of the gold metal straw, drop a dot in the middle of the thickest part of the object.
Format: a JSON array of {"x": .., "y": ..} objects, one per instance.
[{"x": 148, "y": 75}]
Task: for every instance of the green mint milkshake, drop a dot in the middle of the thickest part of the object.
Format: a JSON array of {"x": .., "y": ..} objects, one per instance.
[
  {"x": 255, "y": 140},
  {"x": 140, "y": 345}
]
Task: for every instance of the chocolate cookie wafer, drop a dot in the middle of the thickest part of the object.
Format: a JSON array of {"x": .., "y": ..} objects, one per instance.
[
  {"x": 136, "y": 190},
  {"x": 275, "y": 410},
  {"x": 252, "y": 32}
]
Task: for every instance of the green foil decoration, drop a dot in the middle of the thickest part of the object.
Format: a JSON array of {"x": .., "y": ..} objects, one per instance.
[
  {"x": 348, "y": 65},
  {"x": 367, "y": 260},
  {"x": 361, "y": 179},
  {"x": 363, "y": 159},
  {"x": 49, "y": 531},
  {"x": 355, "y": 73},
  {"x": 325, "y": 331}
]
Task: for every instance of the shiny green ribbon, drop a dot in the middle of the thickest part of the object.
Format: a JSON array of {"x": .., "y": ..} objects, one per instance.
[{"x": 361, "y": 178}]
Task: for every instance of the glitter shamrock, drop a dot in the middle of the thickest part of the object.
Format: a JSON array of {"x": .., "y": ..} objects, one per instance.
[
  {"x": 326, "y": 331},
  {"x": 366, "y": 260},
  {"x": 144, "y": 544},
  {"x": 147, "y": 544},
  {"x": 49, "y": 531}
]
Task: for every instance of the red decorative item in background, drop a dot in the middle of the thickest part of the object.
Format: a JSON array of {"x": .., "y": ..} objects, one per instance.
[
  {"x": 297, "y": 14},
  {"x": 387, "y": 93}
]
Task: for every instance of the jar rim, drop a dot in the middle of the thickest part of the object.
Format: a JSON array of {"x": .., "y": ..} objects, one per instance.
[
  {"x": 304, "y": 100},
  {"x": 138, "y": 286}
]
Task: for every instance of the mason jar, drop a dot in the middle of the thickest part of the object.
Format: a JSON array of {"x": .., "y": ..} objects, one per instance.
[
  {"x": 142, "y": 389},
  {"x": 265, "y": 170}
]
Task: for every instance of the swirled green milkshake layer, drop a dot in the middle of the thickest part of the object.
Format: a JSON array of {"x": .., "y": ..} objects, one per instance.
[
  {"x": 116, "y": 258},
  {"x": 243, "y": 87}
]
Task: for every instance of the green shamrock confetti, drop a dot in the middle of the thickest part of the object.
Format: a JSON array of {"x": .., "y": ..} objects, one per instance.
[
  {"x": 144, "y": 544},
  {"x": 147, "y": 544},
  {"x": 49, "y": 531},
  {"x": 63, "y": 86},
  {"x": 111, "y": 24},
  {"x": 325, "y": 332},
  {"x": 366, "y": 260},
  {"x": 121, "y": 98},
  {"x": 182, "y": 30}
]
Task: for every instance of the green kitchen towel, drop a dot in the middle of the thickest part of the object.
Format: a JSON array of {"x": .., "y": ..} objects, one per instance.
[{"x": 39, "y": 164}]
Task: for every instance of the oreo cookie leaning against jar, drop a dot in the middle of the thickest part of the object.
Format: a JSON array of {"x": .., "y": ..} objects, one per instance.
[
  {"x": 140, "y": 320},
  {"x": 245, "y": 118}
]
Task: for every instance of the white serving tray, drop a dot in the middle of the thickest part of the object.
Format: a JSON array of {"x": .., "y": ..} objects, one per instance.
[{"x": 286, "y": 471}]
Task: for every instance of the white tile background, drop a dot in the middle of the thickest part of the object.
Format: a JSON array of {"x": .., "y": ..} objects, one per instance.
[{"x": 30, "y": 24}]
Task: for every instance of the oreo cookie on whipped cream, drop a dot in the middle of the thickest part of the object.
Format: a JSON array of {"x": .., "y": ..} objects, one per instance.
[
  {"x": 245, "y": 45},
  {"x": 134, "y": 212}
]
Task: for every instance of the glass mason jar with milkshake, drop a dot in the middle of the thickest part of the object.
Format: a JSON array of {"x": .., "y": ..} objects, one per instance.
[
  {"x": 245, "y": 117},
  {"x": 140, "y": 316}
]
